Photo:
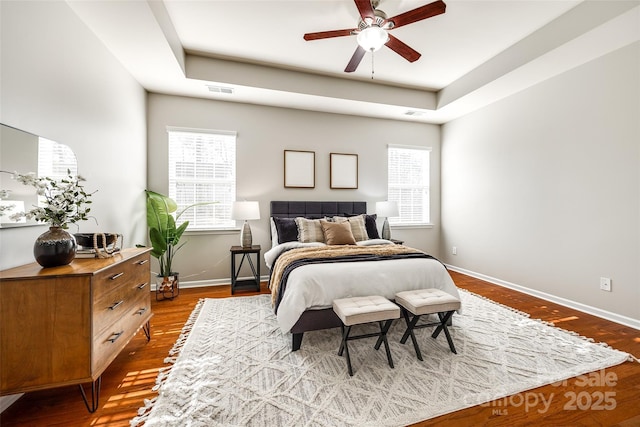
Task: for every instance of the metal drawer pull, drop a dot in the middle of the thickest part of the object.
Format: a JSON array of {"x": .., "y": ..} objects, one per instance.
[
  {"x": 141, "y": 311},
  {"x": 143, "y": 262},
  {"x": 115, "y": 305},
  {"x": 115, "y": 276},
  {"x": 142, "y": 286},
  {"x": 115, "y": 336}
]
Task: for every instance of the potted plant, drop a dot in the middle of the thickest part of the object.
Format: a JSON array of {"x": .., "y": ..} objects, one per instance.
[
  {"x": 165, "y": 239},
  {"x": 64, "y": 202}
]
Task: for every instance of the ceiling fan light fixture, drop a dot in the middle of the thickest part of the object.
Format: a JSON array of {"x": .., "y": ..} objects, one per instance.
[{"x": 372, "y": 38}]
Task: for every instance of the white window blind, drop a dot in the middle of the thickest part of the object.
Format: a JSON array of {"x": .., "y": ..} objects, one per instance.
[
  {"x": 408, "y": 183},
  {"x": 202, "y": 168},
  {"x": 55, "y": 160}
]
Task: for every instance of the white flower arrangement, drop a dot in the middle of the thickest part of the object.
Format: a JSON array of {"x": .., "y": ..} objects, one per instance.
[
  {"x": 64, "y": 199},
  {"x": 5, "y": 207}
]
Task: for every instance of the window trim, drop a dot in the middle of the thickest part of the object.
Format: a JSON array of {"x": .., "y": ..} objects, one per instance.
[{"x": 199, "y": 130}]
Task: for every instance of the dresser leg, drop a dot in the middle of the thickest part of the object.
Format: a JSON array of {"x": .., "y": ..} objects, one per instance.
[
  {"x": 95, "y": 395},
  {"x": 147, "y": 330}
]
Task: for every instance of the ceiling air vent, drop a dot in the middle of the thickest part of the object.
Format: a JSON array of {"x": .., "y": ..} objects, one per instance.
[
  {"x": 220, "y": 89},
  {"x": 414, "y": 113}
]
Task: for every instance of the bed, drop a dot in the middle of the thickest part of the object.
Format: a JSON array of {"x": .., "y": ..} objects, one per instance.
[{"x": 302, "y": 299}]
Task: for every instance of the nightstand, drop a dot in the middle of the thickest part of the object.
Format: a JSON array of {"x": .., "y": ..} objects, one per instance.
[{"x": 252, "y": 284}]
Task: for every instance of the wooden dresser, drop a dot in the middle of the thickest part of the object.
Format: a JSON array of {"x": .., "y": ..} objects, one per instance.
[{"x": 65, "y": 325}]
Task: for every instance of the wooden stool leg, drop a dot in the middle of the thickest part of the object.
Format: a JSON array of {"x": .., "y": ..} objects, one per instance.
[
  {"x": 381, "y": 336},
  {"x": 383, "y": 333},
  {"x": 410, "y": 326},
  {"x": 344, "y": 346},
  {"x": 444, "y": 318}
]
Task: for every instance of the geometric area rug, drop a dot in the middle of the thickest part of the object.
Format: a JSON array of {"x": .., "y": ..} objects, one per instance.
[{"x": 233, "y": 366}]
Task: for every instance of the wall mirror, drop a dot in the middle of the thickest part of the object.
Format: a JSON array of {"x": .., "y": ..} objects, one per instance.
[{"x": 24, "y": 152}]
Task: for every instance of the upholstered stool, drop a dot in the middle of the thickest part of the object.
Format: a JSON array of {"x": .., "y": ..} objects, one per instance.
[
  {"x": 360, "y": 310},
  {"x": 427, "y": 301}
]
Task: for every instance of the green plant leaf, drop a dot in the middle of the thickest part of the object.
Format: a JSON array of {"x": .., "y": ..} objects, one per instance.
[
  {"x": 158, "y": 241},
  {"x": 179, "y": 231},
  {"x": 163, "y": 234}
]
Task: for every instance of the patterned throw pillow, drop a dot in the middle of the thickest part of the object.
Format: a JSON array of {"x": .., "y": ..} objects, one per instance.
[
  {"x": 337, "y": 233},
  {"x": 358, "y": 228},
  {"x": 309, "y": 230}
]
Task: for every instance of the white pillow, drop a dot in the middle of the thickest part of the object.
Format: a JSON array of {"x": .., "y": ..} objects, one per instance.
[
  {"x": 273, "y": 253},
  {"x": 372, "y": 242},
  {"x": 274, "y": 233}
]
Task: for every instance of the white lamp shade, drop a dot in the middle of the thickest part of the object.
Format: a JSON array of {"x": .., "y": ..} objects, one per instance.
[
  {"x": 245, "y": 210},
  {"x": 372, "y": 38},
  {"x": 387, "y": 209}
]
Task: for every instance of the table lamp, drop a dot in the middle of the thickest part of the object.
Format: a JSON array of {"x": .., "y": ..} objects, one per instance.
[
  {"x": 386, "y": 210},
  {"x": 245, "y": 211}
]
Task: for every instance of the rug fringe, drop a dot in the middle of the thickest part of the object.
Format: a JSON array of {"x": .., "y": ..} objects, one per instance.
[
  {"x": 506, "y": 307},
  {"x": 630, "y": 357},
  {"x": 163, "y": 373}
]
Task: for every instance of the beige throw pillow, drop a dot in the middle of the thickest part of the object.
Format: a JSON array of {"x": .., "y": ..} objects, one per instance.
[
  {"x": 337, "y": 233},
  {"x": 358, "y": 227}
]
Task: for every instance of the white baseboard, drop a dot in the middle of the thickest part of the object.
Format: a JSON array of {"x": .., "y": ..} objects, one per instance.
[
  {"x": 607, "y": 315},
  {"x": 6, "y": 401},
  {"x": 212, "y": 282}
]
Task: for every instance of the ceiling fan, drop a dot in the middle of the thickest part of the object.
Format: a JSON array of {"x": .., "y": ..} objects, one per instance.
[{"x": 373, "y": 27}]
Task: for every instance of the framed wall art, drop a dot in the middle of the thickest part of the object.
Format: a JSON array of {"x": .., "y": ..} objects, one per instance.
[
  {"x": 343, "y": 170},
  {"x": 299, "y": 169}
]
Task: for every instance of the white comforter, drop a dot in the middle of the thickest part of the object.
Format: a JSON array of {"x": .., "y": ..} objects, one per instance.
[{"x": 315, "y": 286}]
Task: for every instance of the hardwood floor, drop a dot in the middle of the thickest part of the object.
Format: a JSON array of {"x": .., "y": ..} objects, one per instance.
[{"x": 129, "y": 379}]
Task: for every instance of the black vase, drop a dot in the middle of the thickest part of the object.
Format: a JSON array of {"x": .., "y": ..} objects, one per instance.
[{"x": 54, "y": 247}]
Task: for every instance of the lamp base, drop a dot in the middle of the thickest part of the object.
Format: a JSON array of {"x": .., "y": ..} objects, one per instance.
[
  {"x": 386, "y": 230},
  {"x": 246, "y": 240}
]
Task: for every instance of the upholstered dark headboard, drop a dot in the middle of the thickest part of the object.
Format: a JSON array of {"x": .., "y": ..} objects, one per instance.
[{"x": 292, "y": 209}]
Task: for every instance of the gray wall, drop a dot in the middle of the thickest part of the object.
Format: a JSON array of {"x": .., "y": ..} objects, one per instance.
[
  {"x": 263, "y": 134},
  {"x": 59, "y": 81},
  {"x": 542, "y": 189}
]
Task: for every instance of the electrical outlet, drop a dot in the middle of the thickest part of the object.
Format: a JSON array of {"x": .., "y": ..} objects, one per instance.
[
  {"x": 454, "y": 251},
  {"x": 605, "y": 284}
]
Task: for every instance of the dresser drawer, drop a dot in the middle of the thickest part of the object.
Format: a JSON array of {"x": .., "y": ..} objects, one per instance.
[
  {"x": 134, "y": 270},
  {"x": 112, "y": 340},
  {"x": 112, "y": 306}
]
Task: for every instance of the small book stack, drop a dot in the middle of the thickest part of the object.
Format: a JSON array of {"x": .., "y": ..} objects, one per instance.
[{"x": 92, "y": 253}]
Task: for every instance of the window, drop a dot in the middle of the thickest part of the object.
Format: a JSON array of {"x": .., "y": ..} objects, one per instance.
[
  {"x": 202, "y": 168},
  {"x": 408, "y": 183},
  {"x": 55, "y": 160}
]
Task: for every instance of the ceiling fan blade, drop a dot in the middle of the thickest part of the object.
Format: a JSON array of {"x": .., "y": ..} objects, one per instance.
[
  {"x": 402, "y": 49},
  {"x": 355, "y": 60},
  {"x": 329, "y": 34},
  {"x": 366, "y": 9},
  {"x": 418, "y": 14}
]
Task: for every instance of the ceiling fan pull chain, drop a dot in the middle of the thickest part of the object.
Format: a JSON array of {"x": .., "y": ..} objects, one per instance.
[{"x": 371, "y": 65}]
